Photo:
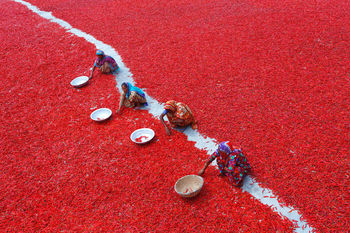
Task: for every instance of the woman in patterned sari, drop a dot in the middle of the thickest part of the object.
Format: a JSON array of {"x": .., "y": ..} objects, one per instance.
[
  {"x": 231, "y": 162},
  {"x": 132, "y": 97},
  {"x": 105, "y": 63},
  {"x": 179, "y": 115}
]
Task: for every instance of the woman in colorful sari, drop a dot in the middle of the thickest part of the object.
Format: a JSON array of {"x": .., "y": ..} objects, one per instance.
[
  {"x": 132, "y": 97},
  {"x": 105, "y": 63},
  {"x": 231, "y": 161},
  {"x": 179, "y": 115}
]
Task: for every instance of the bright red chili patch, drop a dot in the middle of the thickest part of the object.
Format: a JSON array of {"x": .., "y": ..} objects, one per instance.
[
  {"x": 270, "y": 75},
  {"x": 62, "y": 171},
  {"x": 141, "y": 139}
]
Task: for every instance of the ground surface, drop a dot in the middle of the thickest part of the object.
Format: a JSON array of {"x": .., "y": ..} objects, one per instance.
[{"x": 271, "y": 76}]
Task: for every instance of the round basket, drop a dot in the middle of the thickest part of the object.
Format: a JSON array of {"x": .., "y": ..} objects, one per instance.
[{"x": 189, "y": 186}]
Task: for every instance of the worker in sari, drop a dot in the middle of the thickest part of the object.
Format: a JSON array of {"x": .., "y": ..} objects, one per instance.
[
  {"x": 105, "y": 63},
  {"x": 231, "y": 161},
  {"x": 131, "y": 97},
  {"x": 179, "y": 115}
]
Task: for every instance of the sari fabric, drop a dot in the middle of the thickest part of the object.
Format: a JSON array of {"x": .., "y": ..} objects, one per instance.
[
  {"x": 231, "y": 162},
  {"x": 177, "y": 110},
  {"x": 131, "y": 88},
  {"x": 112, "y": 63},
  {"x": 134, "y": 95}
]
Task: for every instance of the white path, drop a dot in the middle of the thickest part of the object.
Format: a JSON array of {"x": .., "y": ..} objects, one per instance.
[{"x": 155, "y": 108}]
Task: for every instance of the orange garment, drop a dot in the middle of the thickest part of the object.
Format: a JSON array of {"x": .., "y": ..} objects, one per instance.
[{"x": 178, "y": 110}]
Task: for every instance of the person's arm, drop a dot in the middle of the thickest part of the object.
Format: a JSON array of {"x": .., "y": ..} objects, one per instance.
[
  {"x": 92, "y": 71},
  {"x": 201, "y": 172},
  {"x": 210, "y": 159},
  {"x": 122, "y": 99},
  {"x": 167, "y": 130}
]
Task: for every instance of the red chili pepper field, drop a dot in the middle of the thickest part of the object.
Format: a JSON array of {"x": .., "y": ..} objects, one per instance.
[{"x": 271, "y": 76}]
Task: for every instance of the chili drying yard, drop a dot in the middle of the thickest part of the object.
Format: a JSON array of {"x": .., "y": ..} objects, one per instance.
[{"x": 271, "y": 76}]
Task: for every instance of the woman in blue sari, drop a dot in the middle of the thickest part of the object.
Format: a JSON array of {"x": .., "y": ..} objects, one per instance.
[{"x": 132, "y": 97}]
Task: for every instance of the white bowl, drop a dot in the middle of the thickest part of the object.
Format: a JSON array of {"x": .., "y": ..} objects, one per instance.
[
  {"x": 79, "y": 81},
  {"x": 101, "y": 114},
  {"x": 142, "y": 136},
  {"x": 189, "y": 186}
]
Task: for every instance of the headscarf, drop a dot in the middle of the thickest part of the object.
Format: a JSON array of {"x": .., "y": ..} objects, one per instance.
[
  {"x": 131, "y": 88},
  {"x": 100, "y": 52},
  {"x": 225, "y": 149},
  {"x": 170, "y": 105}
]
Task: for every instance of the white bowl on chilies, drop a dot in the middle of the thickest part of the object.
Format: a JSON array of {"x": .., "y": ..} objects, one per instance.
[
  {"x": 79, "y": 81},
  {"x": 142, "y": 136},
  {"x": 101, "y": 114}
]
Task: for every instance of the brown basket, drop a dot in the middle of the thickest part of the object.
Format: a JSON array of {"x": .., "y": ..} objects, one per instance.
[{"x": 189, "y": 186}]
